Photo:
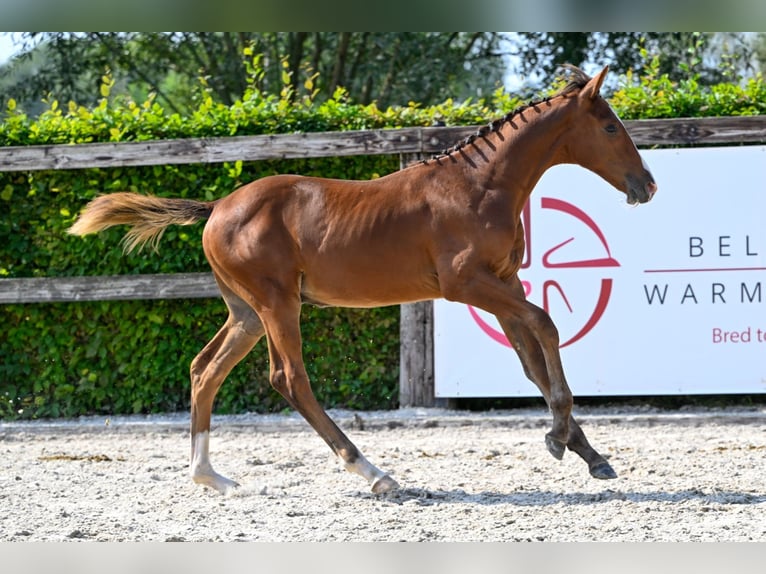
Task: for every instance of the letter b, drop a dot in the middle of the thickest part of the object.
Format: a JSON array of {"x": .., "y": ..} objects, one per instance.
[{"x": 695, "y": 247}]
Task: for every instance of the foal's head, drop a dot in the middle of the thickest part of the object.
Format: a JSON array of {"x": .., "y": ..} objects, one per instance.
[{"x": 602, "y": 144}]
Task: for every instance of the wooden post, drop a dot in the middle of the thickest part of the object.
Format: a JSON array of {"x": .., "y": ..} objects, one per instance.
[
  {"x": 416, "y": 345},
  {"x": 416, "y": 358}
]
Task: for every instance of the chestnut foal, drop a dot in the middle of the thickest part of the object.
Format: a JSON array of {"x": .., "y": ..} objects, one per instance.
[{"x": 446, "y": 227}]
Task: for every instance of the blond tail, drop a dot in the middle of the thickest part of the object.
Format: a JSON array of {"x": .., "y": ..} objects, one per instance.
[{"x": 148, "y": 216}]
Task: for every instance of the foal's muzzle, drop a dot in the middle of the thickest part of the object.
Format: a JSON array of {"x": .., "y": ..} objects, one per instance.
[{"x": 641, "y": 191}]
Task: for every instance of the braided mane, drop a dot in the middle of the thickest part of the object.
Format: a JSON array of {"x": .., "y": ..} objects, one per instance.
[{"x": 576, "y": 81}]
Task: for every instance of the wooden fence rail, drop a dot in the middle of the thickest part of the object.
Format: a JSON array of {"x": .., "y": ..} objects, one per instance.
[
  {"x": 660, "y": 132},
  {"x": 416, "y": 374},
  {"x": 108, "y": 288}
]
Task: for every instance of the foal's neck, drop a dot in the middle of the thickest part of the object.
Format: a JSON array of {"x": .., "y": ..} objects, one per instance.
[{"x": 512, "y": 159}]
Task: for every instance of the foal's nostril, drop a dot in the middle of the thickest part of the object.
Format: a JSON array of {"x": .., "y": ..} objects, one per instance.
[{"x": 651, "y": 189}]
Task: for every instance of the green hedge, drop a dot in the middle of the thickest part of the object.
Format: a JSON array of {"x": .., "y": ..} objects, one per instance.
[
  {"x": 71, "y": 359},
  {"x": 132, "y": 357},
  {"x": 654, "y": 95}
]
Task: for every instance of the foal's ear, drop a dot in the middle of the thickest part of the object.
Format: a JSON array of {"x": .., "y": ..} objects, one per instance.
[{"x": 593, "y": 87}]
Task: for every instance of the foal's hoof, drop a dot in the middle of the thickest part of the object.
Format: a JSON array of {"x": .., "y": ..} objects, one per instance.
[
  {"x": 217, "y": 482},
  {"x": 384, "y": 484},
  {"x": 555, "y": 446},
  {"x": 603, "y": 471}
]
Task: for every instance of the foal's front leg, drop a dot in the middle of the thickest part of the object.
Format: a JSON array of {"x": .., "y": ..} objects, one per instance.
[
  {"x": 532, "y": 360},
  {"x": 506, "y": 301},
  {"x": 539, "y": 352}
]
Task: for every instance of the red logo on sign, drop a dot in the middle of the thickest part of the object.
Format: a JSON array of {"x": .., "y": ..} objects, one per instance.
[{"x": 553, "y": 285}]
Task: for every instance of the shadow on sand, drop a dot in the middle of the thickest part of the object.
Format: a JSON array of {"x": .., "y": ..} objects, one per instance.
[{"x": 427, "y": 497}]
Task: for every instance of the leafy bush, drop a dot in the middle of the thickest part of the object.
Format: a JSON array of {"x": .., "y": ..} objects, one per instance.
[
  {"x": 654, "y": 95},
  {"x": 132, "y": 357}
]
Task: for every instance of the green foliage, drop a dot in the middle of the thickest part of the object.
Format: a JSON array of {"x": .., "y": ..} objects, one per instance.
[
  {"x": 387, "y": 67},
  {"x": 133, "y": 357},
  {"x": 711, "y": 57},
  {"x": 655, "y": 95}
]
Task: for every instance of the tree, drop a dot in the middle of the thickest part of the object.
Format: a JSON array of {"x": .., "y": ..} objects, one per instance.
[
  {"x": 713, "y": 57},
  {"x": 387, "y": 67},
  {"x": 759, "y": 52}
]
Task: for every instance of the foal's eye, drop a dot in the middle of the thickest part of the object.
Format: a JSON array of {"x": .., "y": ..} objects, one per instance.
[{"x": 611, "y": 129}]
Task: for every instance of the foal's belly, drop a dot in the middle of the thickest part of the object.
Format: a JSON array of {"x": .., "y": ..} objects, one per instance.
[{"x": 378, "y": 289}]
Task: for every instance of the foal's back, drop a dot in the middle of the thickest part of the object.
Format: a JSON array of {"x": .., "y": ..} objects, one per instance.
[{"x": 343, "y": 242}]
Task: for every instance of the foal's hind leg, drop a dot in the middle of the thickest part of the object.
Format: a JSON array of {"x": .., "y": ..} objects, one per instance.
[
  {"x": 533, "y": 361},
  {"x": 289, "y": 377},
  {"x": 208, "y": 370}
]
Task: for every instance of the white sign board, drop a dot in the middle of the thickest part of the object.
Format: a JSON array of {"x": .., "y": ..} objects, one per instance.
[{"x": 664, "y": 298}]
